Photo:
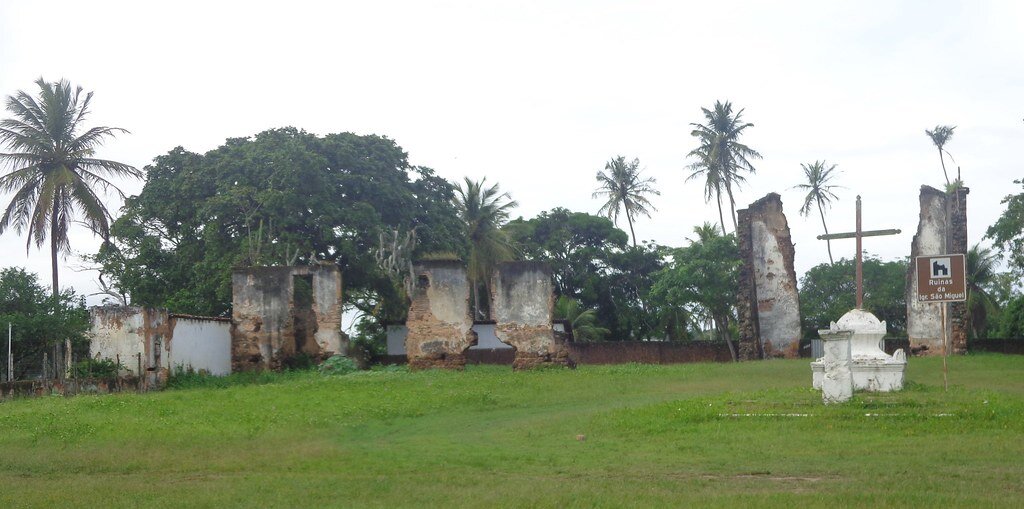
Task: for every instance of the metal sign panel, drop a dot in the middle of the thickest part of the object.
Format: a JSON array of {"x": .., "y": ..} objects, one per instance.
[{"x": 941, "y": 278}]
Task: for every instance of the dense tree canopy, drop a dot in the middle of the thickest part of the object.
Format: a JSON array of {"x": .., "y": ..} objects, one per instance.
[
  {"x": 827, "y": 292},
  {"x": 37, "y": 325},
  {"x": 284, "y": 196},
  {"x": 1008, "y": 231}
]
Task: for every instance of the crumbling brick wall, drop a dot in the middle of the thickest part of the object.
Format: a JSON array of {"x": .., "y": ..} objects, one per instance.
[
  {"x": 941, "y": 229},
  {"x": 440, "y": 326},
  {"x": 268, "y": 328},
  {"x": 768, "y": 302},
  {"x": 522, "y": 296}
]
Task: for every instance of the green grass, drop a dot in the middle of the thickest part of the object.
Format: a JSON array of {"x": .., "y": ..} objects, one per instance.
[{"x": 655, "y": 436}]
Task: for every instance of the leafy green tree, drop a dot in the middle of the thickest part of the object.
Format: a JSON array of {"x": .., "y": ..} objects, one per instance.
[
  {"x": 483, "y": 211},
  {"x": 54, "y": 172},
  {"x": 819, "y": 193},
  {"x": 38, "y": 325},
  {"x": 1011, "y": 320},
  {"x": 720, "y": 157},
  {"x": 981, "y": 275},
  {"x": 583, "y": 321},
  {"x": 940, "y": 136},
  {"x": 284, "y": 196},
  {"x": 1008, "y": 231},
  {"x": 592, "y": 262},
  {"x": 701, "y": 278},
  {"x": 621, "y": 184},
  {"x": 827, "y": 292}
]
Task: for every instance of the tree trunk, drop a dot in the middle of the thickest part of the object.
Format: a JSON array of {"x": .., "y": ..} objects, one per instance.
[
  {"x": 722, "y": 322},
  {"x": 56, "y": 288},
  {"x": 732, "y": 205},
  {"x": 631, "y": 232},
  {"x": 721, "y": 218},
  {"x": 943, "y": 161},
  {"x": 828, "y": 242}
]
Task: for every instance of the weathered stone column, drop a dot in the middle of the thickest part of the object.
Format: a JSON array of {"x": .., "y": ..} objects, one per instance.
[
  {"x": 522, "y": 297},
  {"x": 768, "y": 302},
  {"x": 440, "y": 324},
  {"x": 837, "y": 384},
  {"x": 941, "y": 229}
]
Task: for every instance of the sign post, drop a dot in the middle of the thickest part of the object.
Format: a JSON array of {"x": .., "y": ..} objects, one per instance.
[{"x": 941, "y": 279}]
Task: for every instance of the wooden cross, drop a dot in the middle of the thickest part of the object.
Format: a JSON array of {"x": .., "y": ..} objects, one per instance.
[{"x": 858, "y": 234}]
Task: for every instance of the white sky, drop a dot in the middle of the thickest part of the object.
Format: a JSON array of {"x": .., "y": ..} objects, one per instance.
[{"x": 539, "y": 95}]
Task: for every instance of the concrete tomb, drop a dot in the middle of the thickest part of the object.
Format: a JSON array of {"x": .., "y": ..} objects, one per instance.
[
  {"x": 440, "y": 323},
  {"x": 872, "y": 369},
  {"x": 941, "y": 229},
  {"x": 280, "y": 313},
  {"x": 768, "y": 303},
  {"x": 522, "y": 296}
]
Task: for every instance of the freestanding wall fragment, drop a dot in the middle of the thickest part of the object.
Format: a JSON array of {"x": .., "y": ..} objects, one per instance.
[
  {"x": 522, "y": 297},
  {"x": 941, "y": 229},
  {"x": 768, "y": 302},
  {"x": 279, "y": 313},
  {"x": 151, "y": 342},
  {"x": 440, "y": 326}
]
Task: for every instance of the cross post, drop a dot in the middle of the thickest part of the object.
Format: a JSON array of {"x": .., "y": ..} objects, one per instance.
[{"x": 858, "y": 234}]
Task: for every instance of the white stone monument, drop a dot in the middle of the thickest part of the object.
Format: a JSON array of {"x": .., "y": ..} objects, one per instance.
[
  {"x": 836, "y": 377},
  {"x": 872, "y": 368}
]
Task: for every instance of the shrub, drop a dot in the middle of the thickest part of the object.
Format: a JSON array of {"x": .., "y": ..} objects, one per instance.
[
  {"x": 96, "y": 368},
  {"x": 338, "y": 365}
]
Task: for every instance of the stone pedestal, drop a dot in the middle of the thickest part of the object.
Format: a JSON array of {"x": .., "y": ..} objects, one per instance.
[
  {"x": 837, "y": 377},
  {"x": 873, "y": 369}
]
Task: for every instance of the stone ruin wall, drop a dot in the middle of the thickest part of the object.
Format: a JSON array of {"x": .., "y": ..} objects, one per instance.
[
  {"x": 941, "y": 229},
  {"x": 439, "y": 323},
  {"x": 268, "y": 328},
  {"x": 767, "y": 299},
  {"x": 522, "y": 296}
]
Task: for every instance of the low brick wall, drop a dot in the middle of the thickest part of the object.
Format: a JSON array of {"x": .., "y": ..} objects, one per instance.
[
  {"x": 609, "y": 352},
  {"x": 69, "y": 387},
  {"x": 648, "y": 352},
  {"x": 1009, "y": 346}
]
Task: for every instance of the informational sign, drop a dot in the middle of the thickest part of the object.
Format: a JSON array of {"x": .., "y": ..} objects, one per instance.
[{"x": 941, "y": 278}]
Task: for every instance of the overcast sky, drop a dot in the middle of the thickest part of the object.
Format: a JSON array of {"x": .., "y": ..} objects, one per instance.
[{"x": 537, "y": 96}]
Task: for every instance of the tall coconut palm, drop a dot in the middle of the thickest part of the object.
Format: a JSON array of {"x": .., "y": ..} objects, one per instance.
[
  {"x": 940, "y": 136},
  {"x": 583, "y": 321},
  {"x": 720, "y": 157},
  {"x": 620, "y": 182},
  {"x": 483, "y": 210},
  {"x": 819, "y": 192},
  {"x": 53, "y": 172},
  {"x": 981, "y": 273}
]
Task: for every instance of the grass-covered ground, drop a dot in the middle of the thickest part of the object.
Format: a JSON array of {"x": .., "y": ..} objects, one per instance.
[{"x": 668, "y": 436}]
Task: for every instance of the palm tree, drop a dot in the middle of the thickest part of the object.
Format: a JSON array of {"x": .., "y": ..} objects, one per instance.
[
  {"x": 625, "y": 190},
  {"x": 583, "y": 321},
  {"x": 483, "y": 210},
  {"x": 720, "y": 157},
  {"x": 54, "y": 174},
  {"x": 981, "y": 273},
  {"x": 940, "y": 136},
  {"x": 819, "y": 192}
]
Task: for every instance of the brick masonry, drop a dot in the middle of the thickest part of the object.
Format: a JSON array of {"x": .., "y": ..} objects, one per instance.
[
  {"x": 440, "y": 323},
  {"x": 522, "y": 297},
  {"x": 767, "y": 297}
]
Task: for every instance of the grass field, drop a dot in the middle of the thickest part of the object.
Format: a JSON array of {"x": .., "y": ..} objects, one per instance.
[{"x": 750, "y": 434}]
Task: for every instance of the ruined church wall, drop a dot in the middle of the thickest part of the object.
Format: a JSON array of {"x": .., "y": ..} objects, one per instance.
[
  {"x": 522, "y": 295},
  {"x": 768, "y": 299},
  {"x": 439, "y": 322},
  {"x": 267, "y": 326},
  {"x": 159, "y": 341},
  {"x": 941, "y": 229}
]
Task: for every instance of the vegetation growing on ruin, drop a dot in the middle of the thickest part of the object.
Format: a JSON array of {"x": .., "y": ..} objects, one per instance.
[{"x": 599, "y": 436}]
